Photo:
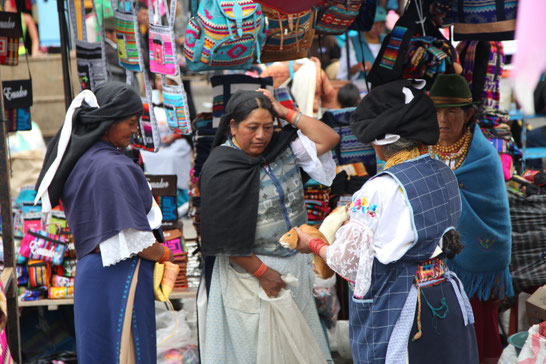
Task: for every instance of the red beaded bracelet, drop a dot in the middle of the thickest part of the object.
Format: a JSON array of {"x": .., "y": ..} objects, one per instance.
[
  {"x": 260, "y": 271},
  {"x": 316, "y": 244}
]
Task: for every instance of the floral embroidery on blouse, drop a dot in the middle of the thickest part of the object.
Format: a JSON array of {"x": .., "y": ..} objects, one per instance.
[{"x": 363, "y": 205}]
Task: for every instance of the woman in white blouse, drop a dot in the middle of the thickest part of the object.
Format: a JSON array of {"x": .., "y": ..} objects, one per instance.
[
  {"x": 406, "y": 306},
  {"x": 251, "y": 194}
]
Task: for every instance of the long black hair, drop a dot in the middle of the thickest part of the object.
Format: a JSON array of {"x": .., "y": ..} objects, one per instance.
[{"x": 239, "y": 106}]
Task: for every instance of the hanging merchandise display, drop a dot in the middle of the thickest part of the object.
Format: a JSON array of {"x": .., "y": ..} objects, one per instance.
[
  {"x": 226, "y": 85},
  {"x": 483, "y": 62},
  {"x": 335, "y": 16},
  {"x": 414, "y": 49},
  {"x": 223, "y": 35},
  {"x": 90, "y": 56},
  {"x": 161, "y": 39},
  {"x": 10, "y": 34},
  {"x": 144, "y": 137},
  {"x": 289, "y": 6},
  {"x": 484, "y": 19},
  {"x": 127, "y": 34},
  {"x": 17, "y": 103},
  {"x": 163, "y": 61},
  {"x": 289, "y": 36}
]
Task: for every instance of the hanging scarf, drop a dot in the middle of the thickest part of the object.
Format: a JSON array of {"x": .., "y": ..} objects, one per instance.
[
  {"x": 484, "y": 225},
  {"x": 87, "y": 119},
  {"x": 229, "y": 187}
]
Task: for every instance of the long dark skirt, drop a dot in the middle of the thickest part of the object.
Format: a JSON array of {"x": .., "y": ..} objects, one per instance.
[
  {"x": 101, "y": 296},
  {"x": 443, "y": 340}
]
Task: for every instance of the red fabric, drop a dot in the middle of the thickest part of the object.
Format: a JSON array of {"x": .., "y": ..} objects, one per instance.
[{"x": 486, "y": 324}]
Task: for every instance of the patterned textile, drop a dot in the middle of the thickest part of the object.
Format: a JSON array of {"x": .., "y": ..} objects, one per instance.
[
  {"x": 349, "y": 150},
  {"x": 176, "y": 106},
  {"x": 225, "y": 35},
  {"x": 393, "y": 47},
  {"x": 9, "y": 51},
  {"x": 316, "y": 202},
  {"x": 162, "y": 50},
  {"x": 430, "y": 270},
  {"x": 92, "y": 69},
  {"x": 289, "y": 35},
  {"x": 335, "y": 16},
  {"x": 11, "y": 32},
  {"x": 18, "y": 119},
  {"x": 128, "y": 47},
  {"x": 528, "y": 217},
  {"x": 427, "y": 57},
  {"x": 431, "y": 190},
  {"x": 484, "y": 19},
  {"x": 282, "y": 94},
  {"x": 483, "y": 63}
]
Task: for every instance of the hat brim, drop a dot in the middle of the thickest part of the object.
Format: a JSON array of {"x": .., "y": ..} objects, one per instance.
[{"x": 457, "y": 105}]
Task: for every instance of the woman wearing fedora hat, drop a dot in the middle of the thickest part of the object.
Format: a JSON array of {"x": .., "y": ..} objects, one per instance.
[
  {"x": 406, "y": 305},
  {"x": 484, "y": 225}
]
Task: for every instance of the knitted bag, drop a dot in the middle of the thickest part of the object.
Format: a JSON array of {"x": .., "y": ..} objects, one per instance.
[
  {"x": 349, "y": 150},
  {"x": 10, "y": 32},
  {"x": 91, "y": 65},
  {"x": 45, "y": 246},
  {"x": 289, "y": 35},
  {"x": 126, "y": 32},
  {"x": 335, "y": 16},
  {"x": 224, "y": 35},
  {"x": 39, "y": 273},
  {"x": 162, "y": 41},
  {"x": 427, "y": 57},
  {"x": 146, "y": 137},
  {"x": 484, "y": 19},
  {"x": 174, "y": 102},
  {"x": 482, "y": 63}
]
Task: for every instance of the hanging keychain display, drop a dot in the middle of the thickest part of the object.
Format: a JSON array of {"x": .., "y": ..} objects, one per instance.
[
  {"x": 90, "y": 56},
  {"x": 163, "y": 60},
  {"x": 10, "y": 34},
  {"x": 17, "y": 102}
]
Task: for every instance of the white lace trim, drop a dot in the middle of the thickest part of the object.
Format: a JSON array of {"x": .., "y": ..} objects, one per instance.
[
  {"x": 130, "y": 242},
  {"x": 320, "y": 168},
  {"x": 351, "y": 255},
  {"x": 126, "y": 244}
]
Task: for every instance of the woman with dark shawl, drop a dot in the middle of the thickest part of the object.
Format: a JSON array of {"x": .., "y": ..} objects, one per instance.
[
  {"x": 484, "y": 226},
  {"x": 113, "y": 218},
  {"x": 251, "y": 194},
  {"x": 406, "y": 305}
]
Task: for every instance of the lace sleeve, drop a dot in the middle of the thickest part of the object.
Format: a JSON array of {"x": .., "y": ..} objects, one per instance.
[
  {"x": 351, "y": 255},
  {"x": 320, "y": 168}
]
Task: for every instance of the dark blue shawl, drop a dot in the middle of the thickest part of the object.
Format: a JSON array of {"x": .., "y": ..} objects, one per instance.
[{"x": 104, "y": 194}]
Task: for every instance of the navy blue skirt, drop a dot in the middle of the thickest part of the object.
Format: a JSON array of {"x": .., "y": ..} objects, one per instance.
[{"x": 100, "y": 299}]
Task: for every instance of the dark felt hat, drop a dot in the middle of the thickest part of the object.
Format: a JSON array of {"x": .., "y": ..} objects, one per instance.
[
  {"x": 451, "y": 90},
  {"x": 399, "y": 107}
]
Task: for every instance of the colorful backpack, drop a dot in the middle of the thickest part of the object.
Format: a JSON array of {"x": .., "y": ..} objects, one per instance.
[
  {"x": 335, "y": 16},
  {"x": 289, "y": 36},
  {"x": 224, "y": 35}
]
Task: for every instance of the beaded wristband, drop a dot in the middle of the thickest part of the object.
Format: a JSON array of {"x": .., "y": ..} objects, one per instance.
[
  {"x": 260, "y": 271},
  {"x": 316, "y": 244},
  {"x": 166, "y": 254},
  {"x": 295, "y": 124}
]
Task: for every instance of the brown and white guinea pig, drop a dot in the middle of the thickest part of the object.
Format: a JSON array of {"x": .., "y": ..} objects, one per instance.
[{"x": 326, "y": 233}]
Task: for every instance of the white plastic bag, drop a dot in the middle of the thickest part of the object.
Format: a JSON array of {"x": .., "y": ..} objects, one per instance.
[
  {"x": 283, "y": 335},
  {"x": 173, "y": 331},
  {"x": 534, "y": 349}
]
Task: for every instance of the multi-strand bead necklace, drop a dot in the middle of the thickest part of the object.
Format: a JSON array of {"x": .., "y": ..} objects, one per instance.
[{"x": 455, "y": 152}]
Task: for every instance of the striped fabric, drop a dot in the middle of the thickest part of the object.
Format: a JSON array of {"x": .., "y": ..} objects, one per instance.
[
  {"x": 18, "y": 119},
  {"x": 484, "y": 19},
  {"x": 175, "y": 104},
  {"x": 393, "y": 47},
  {"x": 282, "y": 94},
  {"x": 128, "y": 48},
  {"x": 335, "y": 16},
  {"x": 9, "y": 51}
]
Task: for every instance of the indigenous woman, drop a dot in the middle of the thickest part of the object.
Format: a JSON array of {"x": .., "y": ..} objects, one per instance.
[
  {"x": 406, "y": 305},
  {"x": 485, "y": 221},
  {"x": 111, "y": 214},
  {"x": 251, "y": 194}
]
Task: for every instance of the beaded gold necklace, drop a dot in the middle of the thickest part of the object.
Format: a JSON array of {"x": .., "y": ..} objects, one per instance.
[
  {"x": 456, "y": 151},
  {"x": 402, "y": 156}
]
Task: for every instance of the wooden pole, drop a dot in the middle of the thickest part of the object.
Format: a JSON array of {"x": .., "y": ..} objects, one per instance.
[{"x": 14, "y": 339}]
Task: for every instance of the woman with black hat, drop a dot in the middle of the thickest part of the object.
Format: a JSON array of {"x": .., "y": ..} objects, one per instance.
[
  {"x": 485, "y": 221},
  {"x": 111, "y": 213},
  {"x": 251, "y": 194},
  {"x": 406, "y": 305}
]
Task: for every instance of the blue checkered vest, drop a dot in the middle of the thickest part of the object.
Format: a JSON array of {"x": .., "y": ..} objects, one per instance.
[{"x": 431, "y": 189}]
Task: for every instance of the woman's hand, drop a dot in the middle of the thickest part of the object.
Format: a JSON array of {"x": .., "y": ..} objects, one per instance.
[
  {"x": 303, "y": 242},
  {"x": 279, "y": 109},
  {"x": 271, "y": 282}
]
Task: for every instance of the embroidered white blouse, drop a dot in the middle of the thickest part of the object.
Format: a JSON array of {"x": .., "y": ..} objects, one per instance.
[
  {"x": 130, "y": 242},
  {"x": 380, "y": 226}
]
